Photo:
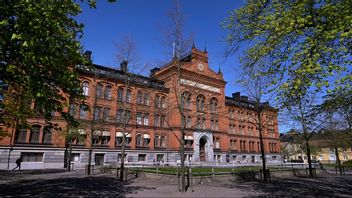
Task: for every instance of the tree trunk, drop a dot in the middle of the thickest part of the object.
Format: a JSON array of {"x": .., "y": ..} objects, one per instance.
[
  {"x": 265, "y": 175},
  {"x": 69, "y": 156},
  {"x": 122, "y": 166},
  {"x": 338, "y": 161},
  {"x": 89, "y": 160},
  {"x": 309, "y": 159},
  {"x": 182, "y": 153}
]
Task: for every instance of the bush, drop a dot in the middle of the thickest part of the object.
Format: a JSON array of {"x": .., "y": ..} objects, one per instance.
[{"x": 348, "y": 162}]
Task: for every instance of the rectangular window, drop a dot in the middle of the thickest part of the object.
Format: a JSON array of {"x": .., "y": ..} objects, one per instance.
[
  {"x": 32, "y": 157},
  {"x": 75, "y": 157},
  {"x": 163, "y": 121},
  {"x": 146, "y": 119},
  {"x": 142, "y": 157},
  {"x": 159, "y": 157}
]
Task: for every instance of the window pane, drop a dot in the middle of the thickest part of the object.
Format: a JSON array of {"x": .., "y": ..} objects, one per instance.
[{"x": 35, "y": 131}]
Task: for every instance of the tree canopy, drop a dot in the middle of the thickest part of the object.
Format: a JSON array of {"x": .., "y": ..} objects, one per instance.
[
  {"x": 39, "y": 47},
  {"x": 306, "y": 43}
]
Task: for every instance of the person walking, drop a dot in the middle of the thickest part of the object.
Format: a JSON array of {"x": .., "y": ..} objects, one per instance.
[{"x": 18, "y": 163}]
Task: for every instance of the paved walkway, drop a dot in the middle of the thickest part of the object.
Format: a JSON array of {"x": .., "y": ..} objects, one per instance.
[{"x": 56, "y": 183}]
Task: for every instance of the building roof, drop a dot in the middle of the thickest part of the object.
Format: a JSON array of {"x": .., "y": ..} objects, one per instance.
[{"x": 119, "y": 75}]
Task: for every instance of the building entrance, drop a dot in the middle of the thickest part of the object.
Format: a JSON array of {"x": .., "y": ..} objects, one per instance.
[{"x": 202, "y": 153}]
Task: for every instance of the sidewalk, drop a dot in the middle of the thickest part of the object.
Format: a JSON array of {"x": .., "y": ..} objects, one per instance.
[{"x": 56, "y": 183}]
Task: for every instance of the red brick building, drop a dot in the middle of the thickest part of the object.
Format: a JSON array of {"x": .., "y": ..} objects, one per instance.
[{"x": 217, "y": 126}]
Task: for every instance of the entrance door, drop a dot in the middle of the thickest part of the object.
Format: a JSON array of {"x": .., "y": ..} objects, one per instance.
[
  {"x": 202, "y": 153},
  {"x": 99, "y": 159}
]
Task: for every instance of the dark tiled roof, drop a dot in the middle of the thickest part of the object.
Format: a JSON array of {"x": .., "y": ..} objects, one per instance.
[{"x": 121, "y": 76}]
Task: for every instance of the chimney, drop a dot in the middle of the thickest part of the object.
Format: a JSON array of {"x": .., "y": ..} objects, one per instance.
[
  {"x": 236, "y": 95},
  {"x": 244, "y": 98},
  {"x": 153, "y": 71},
  {"x": 123, "y": 66},
  {"x": 88, "y": 55}
]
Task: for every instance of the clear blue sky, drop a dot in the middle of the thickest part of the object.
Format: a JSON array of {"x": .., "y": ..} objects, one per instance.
[{"x": 144, "y": 21}]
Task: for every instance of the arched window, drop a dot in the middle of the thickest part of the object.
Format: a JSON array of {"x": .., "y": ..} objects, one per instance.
[
  {"x": 146, "y": 99},
  {"x": 85, "y": 87},
  {"x": 139, "y": 140},
  {"x": 83, "y": 111},
  {"x": 47, "y": 134},
  {"x": 213, "y": 105},
  {"x": 157, "y": 101},
  {"x": 105, "y": 139},
  {"x": 156, "y": 120},
  {"x": 107, "y": 92},
  {"x": 156, "y": 141},
  {"x": 35, "y": 131},
  {"x": 21, "y": 134},
  {"x": 186, "y": 100},
  {"x": 139, "y": 97},
  {"x": 146, "y": 139},
  {"x": 163, "y": 102},
  {"x": 163, "y": 142},
  {"x": 200, "y": 102},
  {"x": 128, "y": 96},
  {"x": 120, "y": 95},
  {"x": 99, "y": 91}
]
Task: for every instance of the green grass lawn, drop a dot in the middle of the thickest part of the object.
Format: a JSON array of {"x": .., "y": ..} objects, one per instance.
[{"x": 199, "y": 170}]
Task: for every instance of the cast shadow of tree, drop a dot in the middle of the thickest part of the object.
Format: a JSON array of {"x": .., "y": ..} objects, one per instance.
[
  {"x": 97, "y": 186},
  {"x": 303, "y": 187}
]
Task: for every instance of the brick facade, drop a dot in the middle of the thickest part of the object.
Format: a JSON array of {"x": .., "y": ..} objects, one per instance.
[{"x": 217, "y": 126}]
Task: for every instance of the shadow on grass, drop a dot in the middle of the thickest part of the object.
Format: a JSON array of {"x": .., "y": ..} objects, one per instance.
[
  {"x": 98, "y": 186},
  {"x": 304, "y": 187}
]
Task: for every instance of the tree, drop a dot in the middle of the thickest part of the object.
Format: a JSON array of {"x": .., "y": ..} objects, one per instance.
[
  {"x": 174, "y": 33},
  {"x": 294, "y": 38},
  {"x": 337, "y": 140},
  {"x": 39, "y": 48},
  {"x": 127, "y": 51},
  {"x": 175, "y": 36},
  {"x": 302, "y": 109},
  {"x": 127, "y": 54},
  {"x": 258, "y": 88},
  {"x": 339, "y": 103}
]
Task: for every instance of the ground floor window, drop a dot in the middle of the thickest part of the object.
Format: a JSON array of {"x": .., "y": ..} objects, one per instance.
[
  {"x": 142, "y": 157},
  {"x": 32, "y": 157},
  {"x": 119, "y": 157},
  {"x": 75, "y": 157},
  {"x": 159, "y": 157},
  {"x": 99, "y": 159},
  {"x": 274, "y": 157}
]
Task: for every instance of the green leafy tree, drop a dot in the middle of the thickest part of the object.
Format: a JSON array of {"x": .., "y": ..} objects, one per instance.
[
  {"x": 39, "y": 48},
  {"x": 337, "y": 140},
  {"x": 303, "y": 42}
]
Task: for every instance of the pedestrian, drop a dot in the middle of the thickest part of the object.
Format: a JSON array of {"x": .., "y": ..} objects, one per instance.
[{"x": 18, "y": 163}]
